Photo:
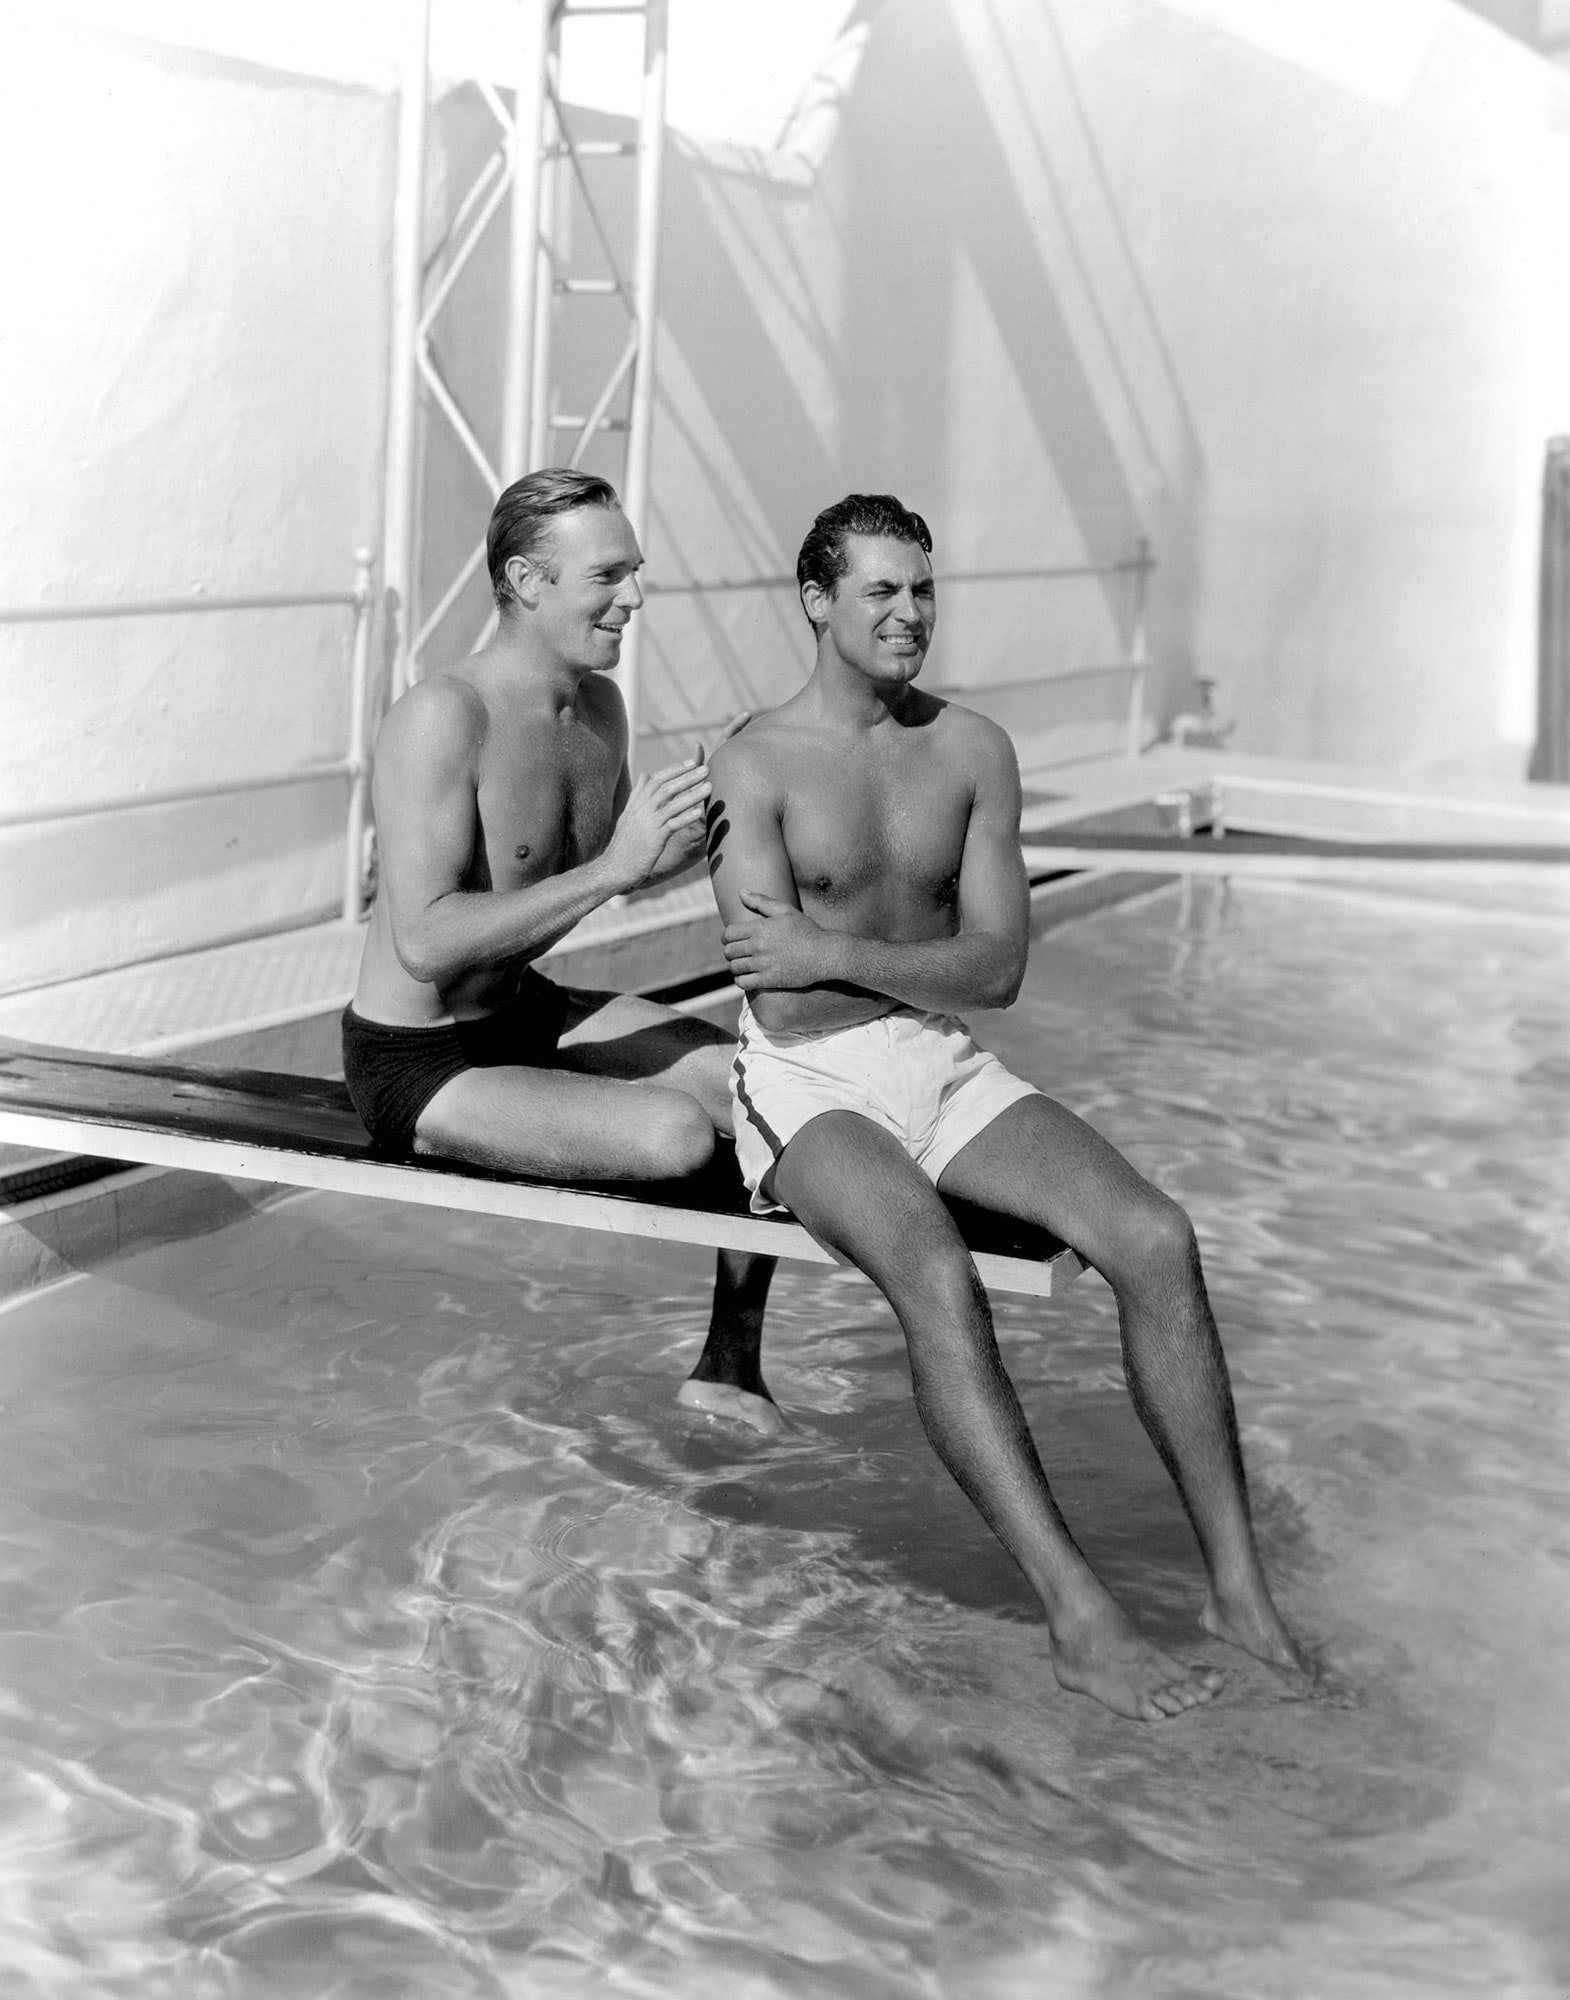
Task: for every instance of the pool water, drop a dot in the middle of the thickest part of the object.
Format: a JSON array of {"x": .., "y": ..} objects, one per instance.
[{"x": 375, "y": 1625}]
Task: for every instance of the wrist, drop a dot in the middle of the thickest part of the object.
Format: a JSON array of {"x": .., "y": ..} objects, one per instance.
[
  {"x": 834, "y": 953},
  {"x": 609, "y": 875}
]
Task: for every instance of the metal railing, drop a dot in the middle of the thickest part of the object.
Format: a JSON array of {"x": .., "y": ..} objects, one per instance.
[
  {"x": 1136, "y": 664},
  {"x": 355, "y": 764}
]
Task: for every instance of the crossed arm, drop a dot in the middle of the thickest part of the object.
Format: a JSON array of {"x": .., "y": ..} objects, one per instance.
[{"x": 801, "y": 974}]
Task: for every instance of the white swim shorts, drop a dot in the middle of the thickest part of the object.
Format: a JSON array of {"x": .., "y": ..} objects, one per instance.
[{"x": 919, "y": 1076}]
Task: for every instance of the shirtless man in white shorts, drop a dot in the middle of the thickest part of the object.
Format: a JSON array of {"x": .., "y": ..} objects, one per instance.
[{"x": 865, "y": 853}]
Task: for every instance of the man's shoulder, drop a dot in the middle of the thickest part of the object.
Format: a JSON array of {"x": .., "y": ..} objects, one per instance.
[
  {"x": 749, "y": 755},
  {"x": 970, "y": 733},
  {"x": 599, "y": 696},
  {"x": 443, "y": 714}
]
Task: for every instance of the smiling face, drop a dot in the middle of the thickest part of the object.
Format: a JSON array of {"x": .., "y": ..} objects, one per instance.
[
  {"x": 880, "y": 616},
  {"x": 579, "y": 601}
]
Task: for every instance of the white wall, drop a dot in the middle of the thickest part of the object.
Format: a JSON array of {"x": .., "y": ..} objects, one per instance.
[
  {"x": 1078, "y": 270},
  {"x": 191, "y": 397},
  {"x": 1059, "y": 275}
]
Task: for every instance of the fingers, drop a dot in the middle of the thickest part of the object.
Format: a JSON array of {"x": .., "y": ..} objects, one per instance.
[
  {"x": 675, "y": 795},
  {"x": 683, "y": 779},
  {"x": 739, "y": 955},
  {"x": 767, "y": 906},
  {"x": 691, "y": 771},
  {"x": 672, "y": 773}
]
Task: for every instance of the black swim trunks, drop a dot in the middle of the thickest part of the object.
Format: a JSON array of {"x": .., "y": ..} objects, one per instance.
[{"x": 393, "y": 1073}]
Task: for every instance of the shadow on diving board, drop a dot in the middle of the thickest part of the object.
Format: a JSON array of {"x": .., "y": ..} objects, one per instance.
[{"x": 300, "y": 1131}]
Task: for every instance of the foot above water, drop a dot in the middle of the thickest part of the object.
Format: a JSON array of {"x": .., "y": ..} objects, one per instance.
[
  {"x": 1116, "y": 1666},
  {"x": 722, "y": 1399}
]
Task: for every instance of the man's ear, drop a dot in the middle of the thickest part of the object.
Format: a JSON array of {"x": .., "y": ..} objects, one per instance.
[
  {"x": 523, "y": 579},
  {"x": 815, "y": 602}
]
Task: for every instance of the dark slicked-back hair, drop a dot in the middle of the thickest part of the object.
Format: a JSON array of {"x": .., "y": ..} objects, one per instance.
[
  {"x": 522, "y": 519},
  {"x": 823, "y": 560}
]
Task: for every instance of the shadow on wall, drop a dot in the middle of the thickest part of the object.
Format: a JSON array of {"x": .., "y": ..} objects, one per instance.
[
  {"x": 954, "y": 311},
  {"x": 946, "y": 305}
]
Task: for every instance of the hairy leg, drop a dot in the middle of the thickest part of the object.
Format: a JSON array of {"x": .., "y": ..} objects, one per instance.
[
  {"x": 854, "y": 1188},
  {"x": 1038, "y": 1161}
]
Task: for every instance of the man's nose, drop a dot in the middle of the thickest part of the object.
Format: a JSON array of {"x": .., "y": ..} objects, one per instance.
[{"x": 630, "y": 597}]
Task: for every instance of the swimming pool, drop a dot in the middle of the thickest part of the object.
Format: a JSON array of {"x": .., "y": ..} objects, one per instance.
[{"x": 374, "y": 1624}]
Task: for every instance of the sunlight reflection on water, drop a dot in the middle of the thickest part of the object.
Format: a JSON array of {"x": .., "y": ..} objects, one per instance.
[{"x": 376, "y": 1625}]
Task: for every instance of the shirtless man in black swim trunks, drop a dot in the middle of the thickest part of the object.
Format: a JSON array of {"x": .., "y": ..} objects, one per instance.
[{"x": 505, "y": 813}]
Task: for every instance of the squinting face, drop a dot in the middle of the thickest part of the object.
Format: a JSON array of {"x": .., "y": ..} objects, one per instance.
[
  {"x": 582, "y": 614},
  {"x": 881, "y": 616}
]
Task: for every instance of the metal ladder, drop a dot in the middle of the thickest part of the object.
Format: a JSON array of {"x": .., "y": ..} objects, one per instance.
[{"x": 536, "y": 181}]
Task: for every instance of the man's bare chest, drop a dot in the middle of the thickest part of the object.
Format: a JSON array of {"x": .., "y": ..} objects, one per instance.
[
  {"x": 546, "y": 797},
  {"x": 895, "y": 829}
]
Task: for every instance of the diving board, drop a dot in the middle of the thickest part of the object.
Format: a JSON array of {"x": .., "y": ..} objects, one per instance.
[{"x": 299, "y": 1131}]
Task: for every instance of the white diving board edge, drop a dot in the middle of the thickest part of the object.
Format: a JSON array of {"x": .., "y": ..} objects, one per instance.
[{"x": 443, "y": 1186}]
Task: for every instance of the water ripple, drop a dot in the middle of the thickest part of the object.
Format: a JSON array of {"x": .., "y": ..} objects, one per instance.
[{"x": 377, "y": 1625}]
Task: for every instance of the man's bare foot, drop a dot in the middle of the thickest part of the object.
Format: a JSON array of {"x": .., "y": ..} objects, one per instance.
[
  {"x": 1108, "y": 1660},
  {"x": 1253, "y": 1624},
  {"x": 723, "y": 1399}
]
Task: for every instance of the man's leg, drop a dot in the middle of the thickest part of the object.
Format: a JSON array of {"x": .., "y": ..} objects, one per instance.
[
  {"x": 639, "y": 1092},
  {"x": 728, "y": 1379},
  {"x": 1037, "y": 1161},
  {"x": 564, "y": 1126},
  {"x": 854, "y": 1187},
  {"x": 633, "y": 1038}
]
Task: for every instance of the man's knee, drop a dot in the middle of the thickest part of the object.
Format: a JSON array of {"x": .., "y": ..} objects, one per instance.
[
  {"x": 1154, "y": 1239},
  {"x": 674, "y": 1135},
  {"x": 933, "y": 1273}
]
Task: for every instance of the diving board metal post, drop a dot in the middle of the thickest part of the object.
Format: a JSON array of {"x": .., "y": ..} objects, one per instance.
[
  {"x": 398, "y": 506},
  {"x": 528, "y": 272},
  {"x": 1139, "y": 646},
  {"x": 645, "y": 308}
]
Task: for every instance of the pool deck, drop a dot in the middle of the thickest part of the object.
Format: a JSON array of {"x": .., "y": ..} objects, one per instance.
[{"x": 273, "y": 1002}]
